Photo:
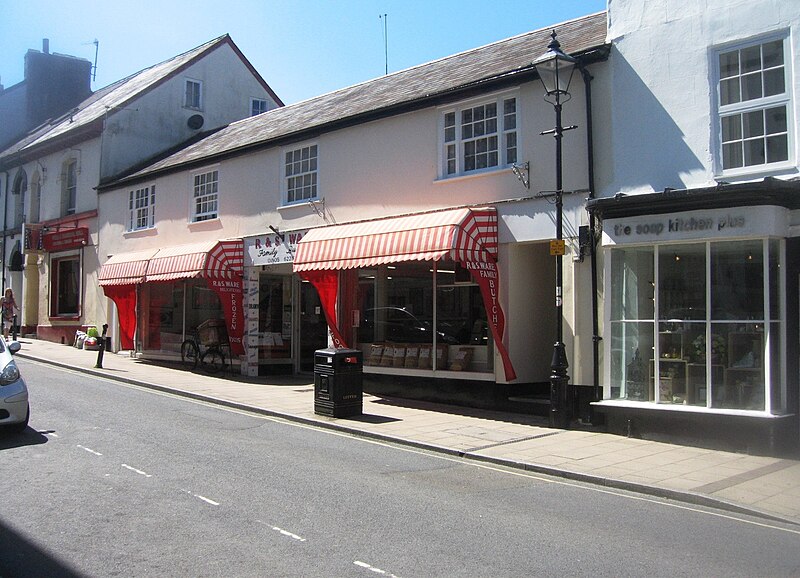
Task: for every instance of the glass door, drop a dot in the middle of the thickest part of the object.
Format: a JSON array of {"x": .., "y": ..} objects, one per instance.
[{"x": 313, "y": 327}]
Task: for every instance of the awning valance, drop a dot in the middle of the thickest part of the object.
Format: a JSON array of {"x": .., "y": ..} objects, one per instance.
[
  {"x": 125, "y": 268},
  {"x": 464, "y": 235}
]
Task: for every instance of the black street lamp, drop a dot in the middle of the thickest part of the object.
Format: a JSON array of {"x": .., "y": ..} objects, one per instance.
[{"x": 555, "y": 69}]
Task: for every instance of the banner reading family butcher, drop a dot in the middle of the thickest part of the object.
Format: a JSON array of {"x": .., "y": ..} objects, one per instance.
[{"x": 486, "y": 276}]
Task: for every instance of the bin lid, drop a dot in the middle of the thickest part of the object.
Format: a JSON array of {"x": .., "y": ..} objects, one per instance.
[{"x": 334, "y": 352}]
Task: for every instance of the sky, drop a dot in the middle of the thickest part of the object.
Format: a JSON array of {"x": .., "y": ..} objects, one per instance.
[{"x": 302, "y": 48}]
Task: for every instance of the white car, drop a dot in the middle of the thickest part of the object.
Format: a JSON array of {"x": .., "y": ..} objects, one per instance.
[{"x": 14, "y": 408}]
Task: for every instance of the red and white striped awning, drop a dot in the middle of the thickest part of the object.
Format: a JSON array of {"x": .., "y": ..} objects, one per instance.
[
  {"x": 211, "y": 259},
  {"x": 464, "y": 235},
  {"x": 125, "y": 268},
  {"x": 214, "y": 259}
]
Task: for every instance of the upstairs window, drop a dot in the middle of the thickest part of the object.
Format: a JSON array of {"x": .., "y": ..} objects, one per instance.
[
  {"x": 300, "y": 171},
  {"x": 193, "y": 94},
  {"x": 206, "y": 191},
  {"x": 754, "y": 105},
  {"x": 69, "y": 187},
  {"x": 258, "y": 105},
  {"x": 142, "y": 208},
  {"x": 479, "y": 136}
]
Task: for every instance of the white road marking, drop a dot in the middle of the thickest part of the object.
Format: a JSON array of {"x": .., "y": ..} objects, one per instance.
[
  {"x": 373, "y": 569},
  {"x": 289, "y": 534},
  {"x": 140, "y": 472},
  {"x": 282, "y": 531},
  {"x": 199, "y": 497},
  {"x": 91, "y": 451}
]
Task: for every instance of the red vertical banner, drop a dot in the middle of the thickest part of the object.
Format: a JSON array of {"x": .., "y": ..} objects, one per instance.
[
  {"x": 124, "y": 297},
  {"x": 488, "y": 279},
  {"x": 231, "y": 297},
  {"x": 327, "y": 285}
]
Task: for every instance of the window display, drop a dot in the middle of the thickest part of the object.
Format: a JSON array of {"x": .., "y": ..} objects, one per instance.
[
  {"x": 717, "y": 317},
  {"x": 423, "y": 315}
]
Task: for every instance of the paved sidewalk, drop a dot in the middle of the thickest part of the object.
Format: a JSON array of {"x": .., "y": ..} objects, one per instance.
[{"x": 752, "y": 484}]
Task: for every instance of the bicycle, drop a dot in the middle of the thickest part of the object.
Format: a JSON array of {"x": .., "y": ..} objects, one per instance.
[{"x": 212, "y": 335}]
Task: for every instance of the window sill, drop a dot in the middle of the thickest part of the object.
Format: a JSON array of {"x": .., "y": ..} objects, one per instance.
[
  {"x": 140, "y": 233},
  {"x": 759, "y": 172},
  {"x": 214, "y": 223},
  {"x": 474, "y": 175},
  {"x": 64, "y": 317},
  {"x": 624, "y": 403},
  {"x": 470, "y": 375}
]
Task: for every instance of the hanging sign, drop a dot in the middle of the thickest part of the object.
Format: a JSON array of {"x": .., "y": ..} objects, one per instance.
[
  {"x": 65, "y": 240},
  {"x": 272, "y": 249}
]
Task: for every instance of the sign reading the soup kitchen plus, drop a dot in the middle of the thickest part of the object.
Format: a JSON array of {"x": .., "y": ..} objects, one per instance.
[{"x": 714, "y": 223}]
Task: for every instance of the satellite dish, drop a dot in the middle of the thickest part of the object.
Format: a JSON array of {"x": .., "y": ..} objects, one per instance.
[{"x": 195, "y": 121}]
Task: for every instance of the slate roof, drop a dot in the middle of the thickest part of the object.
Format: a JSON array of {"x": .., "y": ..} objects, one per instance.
[
  {"x": 89, "y": 113},
  {"x": 420, "y": 84}
]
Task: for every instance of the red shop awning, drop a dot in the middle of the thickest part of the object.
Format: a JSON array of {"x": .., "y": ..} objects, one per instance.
[
  {"x": 213, "y": 259},
  {"x": 125, "y": 268},
  {"x": 464, "y": 235}
]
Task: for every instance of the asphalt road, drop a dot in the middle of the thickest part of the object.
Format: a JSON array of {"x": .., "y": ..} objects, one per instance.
[{"x": 115, "y": 480}]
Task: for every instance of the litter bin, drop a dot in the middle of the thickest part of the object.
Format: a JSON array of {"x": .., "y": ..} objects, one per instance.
[{"x": 338, "y": 374}]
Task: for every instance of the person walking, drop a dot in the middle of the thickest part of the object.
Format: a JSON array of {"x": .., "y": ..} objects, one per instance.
[{"x": 8, "y": 305}]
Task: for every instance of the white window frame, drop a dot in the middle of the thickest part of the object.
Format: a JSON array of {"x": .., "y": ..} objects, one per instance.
[
  {"x": 721, "y": 111},
  {"x": 258, "y": 106},
  {"x": 142, "y": 208},
  {"x": 303, "y": 176},
  {"x": 205, "y": 195},
  {"x": 454, "y": 138},
  {"x": 187, "y": 103},
  {"x": 69, "y": 187}
]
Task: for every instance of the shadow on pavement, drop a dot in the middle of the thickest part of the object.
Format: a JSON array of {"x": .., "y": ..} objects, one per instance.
[
  {"x": 21, "y": 558},
  {"x": 516, "y": 418},
  {"x": 29, "y": 437}
]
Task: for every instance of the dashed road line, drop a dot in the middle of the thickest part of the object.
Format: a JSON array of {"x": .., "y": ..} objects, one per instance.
[
  {"x": 199, "y": 497},
  {"x": 91, "y": 451},
  {"x": 140, "y": 472},
  {"x": 374, "y": 569}
]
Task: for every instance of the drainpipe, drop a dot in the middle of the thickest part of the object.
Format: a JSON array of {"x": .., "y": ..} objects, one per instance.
[
  {"x": 596, "y": 337},
  {"x": 5, "y": 217}
]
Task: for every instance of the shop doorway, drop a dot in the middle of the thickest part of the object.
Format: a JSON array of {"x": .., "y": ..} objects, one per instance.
[{"x": 312, "y": 327}]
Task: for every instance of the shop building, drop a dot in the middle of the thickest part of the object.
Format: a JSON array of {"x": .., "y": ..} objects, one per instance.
[
  {"x": 49, "y": 175},
  {"x": 403, "y": 216},
  {"x": 698, "y": 208}
]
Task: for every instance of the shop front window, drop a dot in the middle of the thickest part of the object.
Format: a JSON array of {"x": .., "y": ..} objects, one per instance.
[
  {"x": 66, "y": 297},
  {"x": 718, "y": 320},
  {"x": 171, "y": 312},
  {"x": 421, "y": 315}
]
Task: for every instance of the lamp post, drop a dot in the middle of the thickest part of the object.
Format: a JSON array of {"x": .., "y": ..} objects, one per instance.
[{"x": 555, "y": 70}]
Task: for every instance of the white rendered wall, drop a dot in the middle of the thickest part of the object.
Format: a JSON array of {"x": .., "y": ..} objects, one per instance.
[{"x": 661, "y": 61}]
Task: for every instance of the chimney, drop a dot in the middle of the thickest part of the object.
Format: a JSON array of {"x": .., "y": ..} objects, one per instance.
[{"x": 46, "y": 45}]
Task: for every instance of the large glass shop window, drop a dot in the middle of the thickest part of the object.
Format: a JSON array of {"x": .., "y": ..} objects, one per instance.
[
  {"x": 421, "y": 315},
  {"x": 693, "y": 324},
  {"x": 162, "y": 310}
]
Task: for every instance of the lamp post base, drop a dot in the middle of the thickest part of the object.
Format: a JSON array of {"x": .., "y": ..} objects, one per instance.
[{"x": 560, "y": 411}]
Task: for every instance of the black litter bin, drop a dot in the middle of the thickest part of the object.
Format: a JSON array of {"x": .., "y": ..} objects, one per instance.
[{"x": 338, "y": 389}]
